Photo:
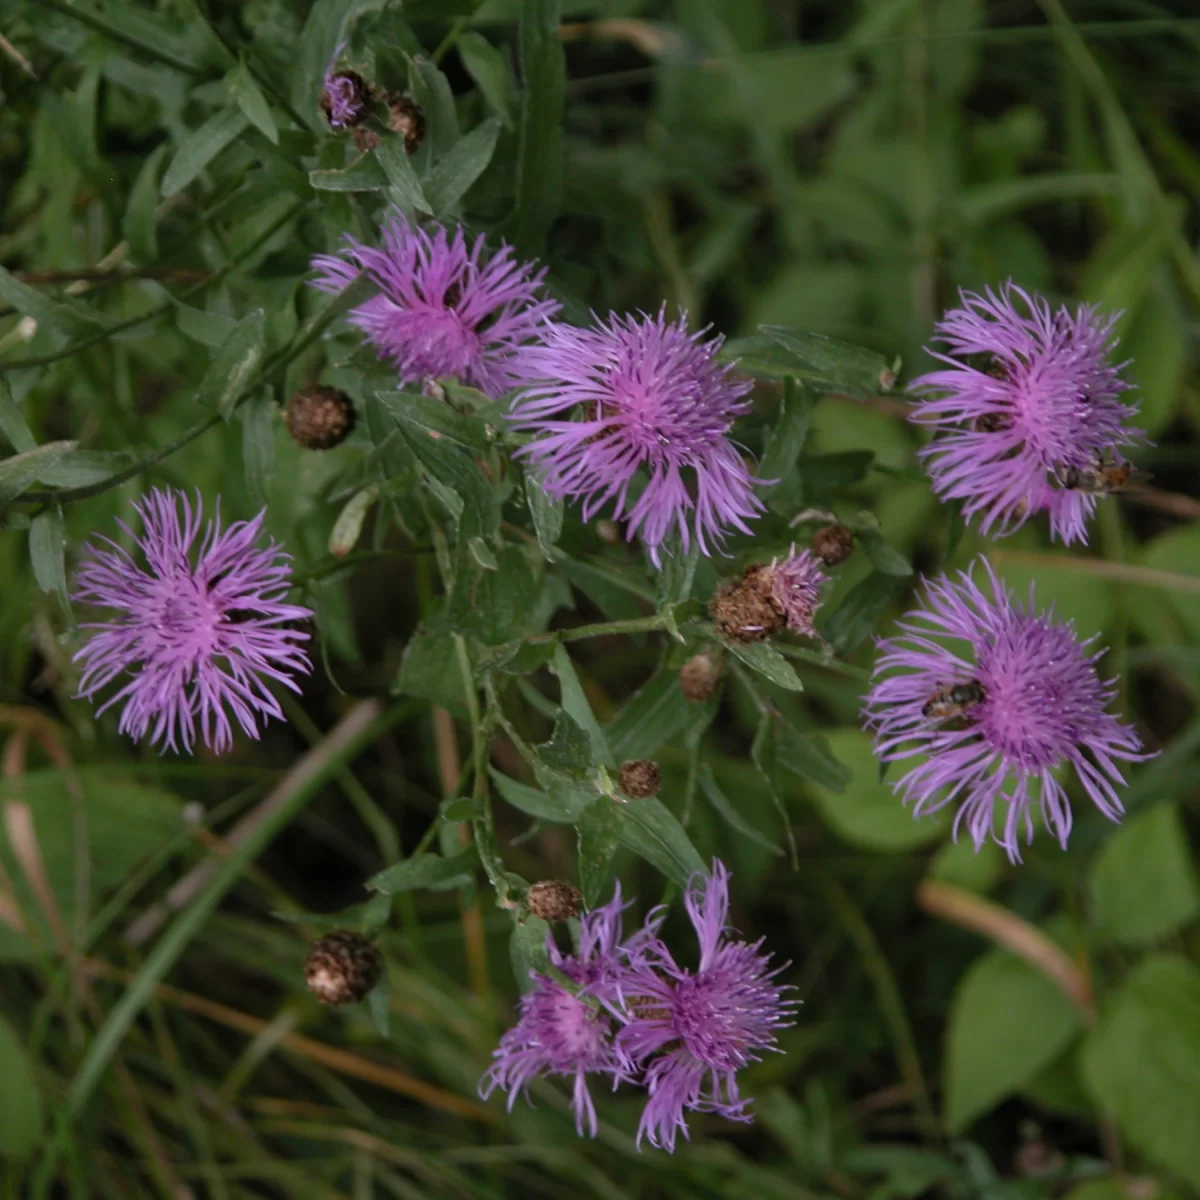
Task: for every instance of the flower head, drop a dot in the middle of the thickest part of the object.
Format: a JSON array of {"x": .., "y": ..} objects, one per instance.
[
  {"x": 195, "y": 637},
  {"x": 635, "y": 393},
  {"x": 796, "y": 582},
  {"x": 690, "y": 1032},
  {"x": 565, "y": 1032},
  {"x": 1038, "y": 425},
  {"x": 770, "y": 597},
  {"x": 443, "y": 307},
  {"x": 1011, "y": 697},
  {"x": 345, "y": 98}
]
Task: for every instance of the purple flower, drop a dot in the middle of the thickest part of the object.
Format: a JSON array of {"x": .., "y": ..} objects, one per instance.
[
  {"x": 631, "y": 393},
  {"x": 442, "y": 308},
  {"x": 796, "y": 584},
  {"x": 190, "y": 643},
  {"x": 691, "y": 1032},
  {"x": 569, "y": 1032},
  {"x": 345, "y": 99},
  {"x": 1037, "y": 424},
  {"x": 991, "y": 716}
]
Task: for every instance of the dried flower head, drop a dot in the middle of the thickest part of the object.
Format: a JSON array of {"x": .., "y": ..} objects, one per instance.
[
  {"x": 195, "y": 636},
  {"x": 443, "y": 307},
  {"x": 407, "y": 119},
  {"x": 699, "y": 677},
  {"x": 690, "y": 1032},
  {"x": 554, "y": 900},
  {"x": 992, "y": 698},
  {"x": 569, "y": 1032},
  {"x": 319, "y": 417},
  {"x": 639, "y": 778},
  {"x": 345, "y": 99},
  {"x": 342, "y": 967},
  {"x": 770, "y": 597},
  {"x": 833, "y": 544},
  {"x": 634, "y": 394},
  {"x": 1038, "y": 425}
]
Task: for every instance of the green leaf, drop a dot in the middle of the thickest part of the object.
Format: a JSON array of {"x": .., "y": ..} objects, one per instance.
[
  {"x": 859, "y": 611},
  {"x": 139, "y": 224},
  {"x": 425, "y": 871},
  {"x": 865, "y": 812},
  {"x": 654, "y": 715},
  {"x": 431, "y": 90},
  {"x": 540, "y": 151},
  {"x": 81, "y": 468},
  {"x": 559, "y": 803},
  {"x": 21, "y": 1108},
  {"x": 455, "y": 470},
  {"x": 883, "y": 557},
  {"x": 249, "y": 98},
  {"x": 599, "y": 830},
  {"x": 710, "y": 789},
  {"x": 12, "y": 421},
  {"x": 768, "y": 662},
  {"x": 379, "y": 1007},
  {"x": 21, "y": 470},
  {"x": 1127, "y": 907},
  {"x": 527, "y": 950},
  {"x": 403, "y": 185},
  {"x": 259, "y": 423},
  {"x": 495, "y": 604},
  {"x": 429, "y": 670},
  {"x": 790, "y": 432},
  {"x": 324, "y": 29},
  {"x": 810, "y": 757},
  {"x": 427, "y": 414},
  {"x": 66, "y": 318},
  {"x": 1142, "y": 1061},
  {"x": 852, "y": 369},
  {"x": 547, "y": 517},
  {"x": 569, "y": 752},
  {"x": 575, "y": 705},
  {"x": 47, "y": 544},
  {"x": 201, "y": 147},
  {"x": 365, "y": 174},
  {"x": 961, "y": 865},
  {"x": 455, "y": 173},
  {"x": 1007, "y": 1022},
  {"x": 232, "y": 365},
  {"x": 650, "y": 830},
  {"x": 485, "y": 64}
]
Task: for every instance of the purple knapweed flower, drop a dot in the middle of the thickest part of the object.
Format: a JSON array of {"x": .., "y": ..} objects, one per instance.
[
  {"x": 194, "y": 638},
  {"x": 796, "y": 583},
  {"x": 443, "y": 307},
  {"x": 991, "y": 716},
  {"x": 690, "y": 1032},
  {"x": 639, "y": 392},
  {"x": 1036, "y": 422},
  {"x": 570, "y": 1032}
]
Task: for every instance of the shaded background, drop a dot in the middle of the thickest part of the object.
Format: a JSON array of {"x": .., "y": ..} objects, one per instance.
[{"x": 835, "y": 167}]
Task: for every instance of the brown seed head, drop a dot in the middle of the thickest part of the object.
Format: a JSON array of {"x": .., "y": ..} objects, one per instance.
[
  {"x": 639, "y": 778},
  {"x": 365, "y": 140},
  {"x": 553, "y": 900},
  {"x": 699, "y": 676},
  {"x": 747, "y": 610},
  {"x": 407, "y": 119},
  {"x": 342, "y": 967},
  {"x": 319, "y": 417},
  {"x": 833, "y": 544}
]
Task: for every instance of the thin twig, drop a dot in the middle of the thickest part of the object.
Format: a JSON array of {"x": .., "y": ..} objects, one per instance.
[
  {"x": 1114, "y": 571},
  {"x": 8, "y": 48}
]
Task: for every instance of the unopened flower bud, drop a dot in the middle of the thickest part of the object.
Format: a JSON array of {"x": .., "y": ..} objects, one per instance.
[
  {"x": 342, "y": 967},
  {"x": 406, "y": 119},
  {"x": 639, "y": 778},
  {"x": 699, "y": 676},
  {"x": 833, "y": 544},
  {"x": 319, "y": 417},
  {"x": 554, "y": 900}
]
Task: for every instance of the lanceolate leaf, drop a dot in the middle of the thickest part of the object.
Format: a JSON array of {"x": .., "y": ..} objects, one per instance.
[{"x": 202, "y": 147}]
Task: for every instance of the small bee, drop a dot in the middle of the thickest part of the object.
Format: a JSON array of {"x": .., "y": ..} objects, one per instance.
[
  {"x": 955, "y": 701},
  {"x": 991, "y": 423},
  {"x": 1100, "y": 477}
]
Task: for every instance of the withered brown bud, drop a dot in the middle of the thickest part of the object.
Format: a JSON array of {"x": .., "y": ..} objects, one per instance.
[
  {"x": 342, "y": 967},
  {"x": 320, "y": 417},
  {"x": 407, "y": 119},
  {"x": 747, "y": 610},
  {"x": 639, "y": 778},
  {"x": 833, "y": 544},
  {"x": 553, "y": 900},
  {"x": 699, "y": 676},
  {"x": 345, "y": 99},
  {"x": 365, "y": 139}
]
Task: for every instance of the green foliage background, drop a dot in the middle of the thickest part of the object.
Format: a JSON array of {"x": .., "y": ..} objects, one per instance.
[{"x": 832, "y": 167}]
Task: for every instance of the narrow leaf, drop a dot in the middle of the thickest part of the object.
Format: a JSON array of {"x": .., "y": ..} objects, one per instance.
[
  {"x": 202, "y": 147},
  {"x": 363, "y": 175},
  {"x": 233, "y": 364},
  {"x": 21, "y": 470},
  {"x": 249, "y": 98},
  {"x": 403, "y": 185},
  {"x": 650, "y": 829},
  {"x": 138, "y": 223},
  {"x": 259, "y": 423},
  {"x": 12, "y": 421},
  {"x": 768, "y": 662},
  {"x": 425, "y": 871},
  {"x": 46, "y": 553},
  {"x": 454, "y": 175},
  {"x": 485, "y": 64},
  {"x": 576, "y": 705},
  {"x": 66, "y": 318}
]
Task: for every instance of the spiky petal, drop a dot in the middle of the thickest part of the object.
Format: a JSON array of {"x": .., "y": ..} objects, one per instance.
[
  {"x": 443, "y": 307},
  {"x": 1045, "y": 400},
  {"x": 639, "y": 396},
  {"x": 197, "y": 633},
  {"x": 1042, "y": 707}
]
